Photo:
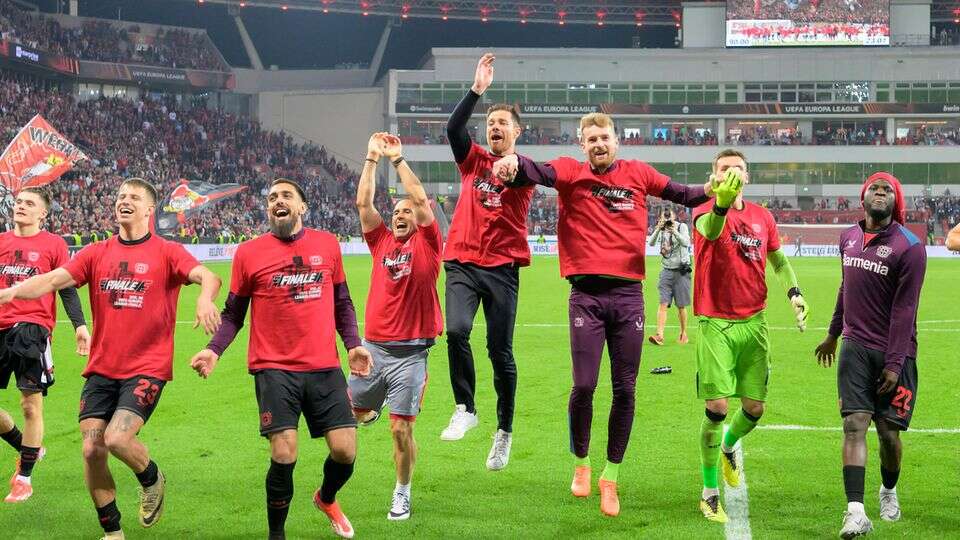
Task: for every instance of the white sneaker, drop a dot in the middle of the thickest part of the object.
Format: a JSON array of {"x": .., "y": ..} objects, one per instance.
[
  {"x": 855, "y": 524},
  {"x": 400, "y": 507},
  {"x": 499, "y": 454},
  {"x": 460, "y": 423},
  {"x": 889, "y": 505}
]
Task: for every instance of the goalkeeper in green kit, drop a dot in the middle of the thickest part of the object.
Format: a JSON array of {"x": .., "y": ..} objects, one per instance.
[{"x": 733, "y": 241}]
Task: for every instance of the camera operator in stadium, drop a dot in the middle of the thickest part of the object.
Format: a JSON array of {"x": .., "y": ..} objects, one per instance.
[{"x": 675, "y": 275}]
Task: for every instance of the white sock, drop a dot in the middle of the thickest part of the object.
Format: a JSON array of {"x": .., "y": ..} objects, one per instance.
[
  {"x": 23, "y": 479},
  {"x": 883, "y": 489},
  {"x": 402, "y": 488},
  {"x": 710, "y": 492},
  {"x": 855, "y": 508}
]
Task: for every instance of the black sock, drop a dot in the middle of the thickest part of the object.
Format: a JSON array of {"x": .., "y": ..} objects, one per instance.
[
  {"x": 853, "y": 482},
  {"x": 28, "y": 458},
  {"x": 335, "y": 475},
  {"x": 149, "y": 475},
  {"x": 279, "y": 494},
  {"x": 109, "y": 517},
  {"x": 889, "y": 477},
  {"x": 14, "y": 438}
]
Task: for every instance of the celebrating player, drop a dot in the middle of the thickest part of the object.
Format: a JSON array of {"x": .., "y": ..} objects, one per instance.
[
  {"x": 26, "y": 327},
  {"x": 602, "y": 214},
  {"x": 294, "y": 280},
  {"x": 674, "y": 282},
  {"x": 403, "y": 311},
  {"x": 486, "y": 245},
  {"x": 734, "y": 239},
  {"x": 883, "y": 266},
  {"x": 135, "y": 280}
]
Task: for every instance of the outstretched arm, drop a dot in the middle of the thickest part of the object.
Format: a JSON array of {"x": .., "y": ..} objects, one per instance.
[
  {"x": 38, "y": 286},
  {"x": 369, "y": 217}
]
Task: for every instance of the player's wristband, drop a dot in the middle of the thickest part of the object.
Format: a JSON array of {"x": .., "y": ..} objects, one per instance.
[
  {"x": 397, "y": 162},
  {"x": 794, "y": 291},
  {"x": 373, "y": 161},
  {"x": 719, "y": 210}
]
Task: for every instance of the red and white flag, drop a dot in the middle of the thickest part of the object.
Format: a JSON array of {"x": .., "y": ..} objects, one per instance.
[{"x": 37, "y": 156}]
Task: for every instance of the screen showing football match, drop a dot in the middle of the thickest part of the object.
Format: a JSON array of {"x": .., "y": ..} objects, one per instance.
[{"x": 793, "y": 23}]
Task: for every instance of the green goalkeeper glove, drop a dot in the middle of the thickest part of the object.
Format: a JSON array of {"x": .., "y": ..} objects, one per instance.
[{"x": 727, "y": 189}]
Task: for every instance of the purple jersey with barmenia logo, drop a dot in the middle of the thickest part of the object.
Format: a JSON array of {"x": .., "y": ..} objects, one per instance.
[{"x": 880, "y": 292}]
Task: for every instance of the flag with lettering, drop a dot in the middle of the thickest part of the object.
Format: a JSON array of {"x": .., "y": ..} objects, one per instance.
[{"x": 37, "y": 156}]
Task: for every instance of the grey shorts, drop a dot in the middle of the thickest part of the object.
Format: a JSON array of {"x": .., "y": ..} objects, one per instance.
[
  {"x": 398, "y": 378},
  {"x": 674, "y": 287}
]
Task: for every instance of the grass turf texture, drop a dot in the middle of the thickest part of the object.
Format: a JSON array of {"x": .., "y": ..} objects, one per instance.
[{"x": 204, "y": 437}]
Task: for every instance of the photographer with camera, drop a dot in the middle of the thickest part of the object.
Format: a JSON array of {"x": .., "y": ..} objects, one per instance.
[{"x": 675, "y": 275}]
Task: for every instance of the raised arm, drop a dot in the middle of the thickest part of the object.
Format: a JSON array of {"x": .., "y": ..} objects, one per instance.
[
  {"x": 689, "y": 196},
  {"x": 38, "y": 286},
  {"x": 369, "y": 217},
  {"x": 682, "y": 234},
  {"x": 393, "y": 150},
  {"x": 710, "y": 225},
  {"x": 457, "y": 124}
]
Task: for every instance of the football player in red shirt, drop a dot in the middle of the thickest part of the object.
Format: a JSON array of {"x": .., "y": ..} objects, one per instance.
[
  {"x": 601, "y": 233},
  {"x": 403, "y": 310},
  {"x": 26, "y": 327},
  {"x": 294, "y": 282},
  {"x": 135, "y": 279},
  {"x": 486, "y": 246},
  {"x": 735, "y": 241}
]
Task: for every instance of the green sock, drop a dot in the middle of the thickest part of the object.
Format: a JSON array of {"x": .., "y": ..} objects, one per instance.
[
  {"x": 610, "y": 471},
  {"x": 741, "y": 424},
  {"x": 581, "y": 461},
  {"x": 710, "y": 434}
]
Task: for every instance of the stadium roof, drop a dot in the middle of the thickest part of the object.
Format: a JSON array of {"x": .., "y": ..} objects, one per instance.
[{"x": 600, "y": 12}]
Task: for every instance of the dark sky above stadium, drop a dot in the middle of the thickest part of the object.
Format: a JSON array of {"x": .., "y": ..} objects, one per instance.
[{"x": 300, "y": 39}]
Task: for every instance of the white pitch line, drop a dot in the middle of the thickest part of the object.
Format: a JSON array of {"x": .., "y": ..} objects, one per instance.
[
  {"x": 793, "y": 427},
  {"x": 564, "y": 325},
  {"x": 737, "y": 503}
]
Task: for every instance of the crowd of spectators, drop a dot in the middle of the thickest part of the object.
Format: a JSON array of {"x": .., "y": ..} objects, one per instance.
[
  {"x": 812, "y": 11},
  {"x": 108, "y": 41},
  {"x": 931, "y": 135},
  {"x": 163, "y": 141},
  {"x": 943, "y": 212}
]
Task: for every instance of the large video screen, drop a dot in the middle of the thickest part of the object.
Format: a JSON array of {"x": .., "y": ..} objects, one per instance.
[{"x": 792, "y": 23}]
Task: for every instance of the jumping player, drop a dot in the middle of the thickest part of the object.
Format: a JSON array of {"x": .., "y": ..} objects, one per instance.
[{"x": 603, "y": 213}]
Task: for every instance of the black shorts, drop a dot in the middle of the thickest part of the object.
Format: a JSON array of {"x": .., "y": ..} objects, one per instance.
[
  {"x": 101, "y": 397},
  {"x": 25, "y": 354},
  {"x": 321, "y": 396},
  {"x": 857, "y": 375}
]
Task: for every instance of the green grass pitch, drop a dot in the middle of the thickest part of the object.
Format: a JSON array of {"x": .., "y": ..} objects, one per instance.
[{"x": 204, "y": 436}]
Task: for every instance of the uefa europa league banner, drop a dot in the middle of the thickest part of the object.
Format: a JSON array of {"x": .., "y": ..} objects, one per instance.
[
  {"x": 37, "y": 156},
  {"x": 187, "y": 199}
]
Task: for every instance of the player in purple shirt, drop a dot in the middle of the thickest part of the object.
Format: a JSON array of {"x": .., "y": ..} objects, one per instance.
[{"x": 883, "y": 265}]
